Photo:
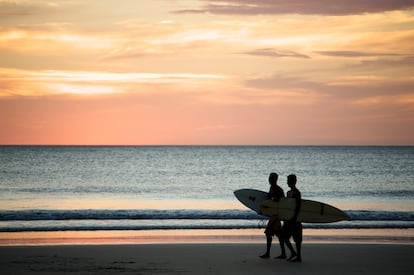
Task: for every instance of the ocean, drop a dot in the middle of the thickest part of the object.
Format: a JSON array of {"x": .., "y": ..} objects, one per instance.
[{"x": 145, "y": 188}]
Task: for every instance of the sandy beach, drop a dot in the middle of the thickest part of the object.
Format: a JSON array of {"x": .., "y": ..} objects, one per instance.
[{"x": 204, "y": 259}]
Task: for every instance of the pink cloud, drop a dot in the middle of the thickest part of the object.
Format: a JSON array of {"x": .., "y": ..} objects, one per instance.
[{"x": 321, "y": 7}]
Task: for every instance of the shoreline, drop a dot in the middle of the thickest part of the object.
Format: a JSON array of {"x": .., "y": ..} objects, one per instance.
[
  {"x": 204, "y": 259},
  {"x": 250, "y": 236}
]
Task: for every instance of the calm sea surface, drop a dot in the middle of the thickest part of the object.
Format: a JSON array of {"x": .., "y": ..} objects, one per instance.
[{"x": 60, "y": 188}]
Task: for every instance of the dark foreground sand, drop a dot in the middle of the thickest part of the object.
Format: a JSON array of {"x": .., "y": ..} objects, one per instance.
[{"x": 204, "y": 259}]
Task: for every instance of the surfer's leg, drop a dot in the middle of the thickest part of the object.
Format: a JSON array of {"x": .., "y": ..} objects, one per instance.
[
  {"x": 268, "y": 232},
  {"x": 298, "y": 258},
  {"x": 286, "y": 234},
  {"x": 282, "y": 246},
  {"x": 298, "y": 237},
  {"x": 292, "y": 251},
  {"x": 268, "y": 246}
]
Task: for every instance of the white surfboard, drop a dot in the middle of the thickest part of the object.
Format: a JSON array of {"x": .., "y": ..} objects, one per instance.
[
  {"x": 310, "y": 211},
  {"x": 251, "y": 198}
]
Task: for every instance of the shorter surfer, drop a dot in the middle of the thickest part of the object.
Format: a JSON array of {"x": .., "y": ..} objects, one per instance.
[
  {"x": 274, "y": 226},
  {"x": 292, "y": 227}
]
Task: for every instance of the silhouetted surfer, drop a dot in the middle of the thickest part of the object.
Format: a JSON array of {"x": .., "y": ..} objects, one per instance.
[
  {"x": 274, "y": 226},
  {"x": 292, "y": 227}
]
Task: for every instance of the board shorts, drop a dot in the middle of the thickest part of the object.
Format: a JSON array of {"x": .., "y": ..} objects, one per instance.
[
  {"x": 274, "y": 226},
  {"x": 293, "y": 229}
]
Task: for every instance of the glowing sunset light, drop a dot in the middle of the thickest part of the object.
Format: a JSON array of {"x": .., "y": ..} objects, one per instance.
[
  {"x": 87, "y": 83},
  {"x": 207, "y": 72},
  {"x": 80, "y": 89},
  {"x": 111, "y": 77}
]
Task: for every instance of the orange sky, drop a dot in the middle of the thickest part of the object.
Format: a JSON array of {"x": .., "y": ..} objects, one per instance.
[{"x": 207, "y": 72}]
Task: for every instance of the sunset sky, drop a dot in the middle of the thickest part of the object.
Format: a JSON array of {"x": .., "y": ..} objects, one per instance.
[{"x": 166, "y": 72}]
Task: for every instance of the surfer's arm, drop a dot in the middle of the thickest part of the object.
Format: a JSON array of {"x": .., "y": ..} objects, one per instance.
[{"x": 297, "y": 206}]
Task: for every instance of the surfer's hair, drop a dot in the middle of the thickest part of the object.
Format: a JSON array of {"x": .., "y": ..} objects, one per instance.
[
  {"x": 273, "y": 177},
  {"x": 292, "y": 178}
]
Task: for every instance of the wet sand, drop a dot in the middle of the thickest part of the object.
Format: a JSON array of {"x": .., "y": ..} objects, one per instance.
[{"x": 235, "y": 258}]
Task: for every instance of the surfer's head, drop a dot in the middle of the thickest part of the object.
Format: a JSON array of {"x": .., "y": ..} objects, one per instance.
[
  {"x": 291, "y": 180},
  {"x": 273, "y": 178}
]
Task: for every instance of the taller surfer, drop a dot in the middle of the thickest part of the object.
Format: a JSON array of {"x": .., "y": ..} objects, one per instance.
[{"x": 293, "y": 227}]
